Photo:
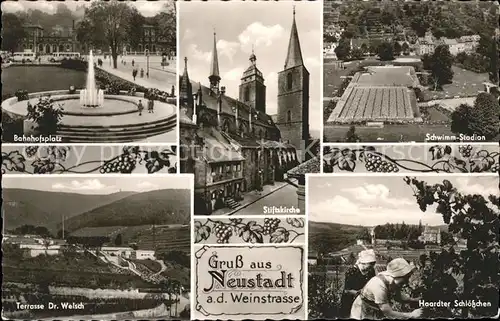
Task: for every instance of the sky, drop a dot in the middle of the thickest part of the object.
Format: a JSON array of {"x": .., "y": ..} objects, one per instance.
[
  {"x": 98, "y": 185},
  {"x": 265, "y": 25},
  {"x": 376, "y": 200},
  {"x": 146, "y": 8}
]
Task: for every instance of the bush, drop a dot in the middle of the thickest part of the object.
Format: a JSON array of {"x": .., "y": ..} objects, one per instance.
[
  {"x": 22, "y": 94},
  {"x": 45, "y": 115}
]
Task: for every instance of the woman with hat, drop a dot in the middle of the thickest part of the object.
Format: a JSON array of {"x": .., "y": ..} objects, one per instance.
[
  {"x": 374, "y": 300},
  {"x": 356, "y": 278}
]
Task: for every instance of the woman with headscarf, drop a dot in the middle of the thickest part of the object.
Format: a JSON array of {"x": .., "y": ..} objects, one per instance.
[
  {"x": 355, "y": 279},
  {"x": 374, "y": 300}
]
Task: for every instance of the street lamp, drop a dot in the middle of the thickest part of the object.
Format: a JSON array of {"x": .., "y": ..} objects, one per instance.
[{"x": 147, "y": 63}]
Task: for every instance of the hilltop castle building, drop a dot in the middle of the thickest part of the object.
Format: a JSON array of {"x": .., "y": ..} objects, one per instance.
[{"x": 233, "y": 145}]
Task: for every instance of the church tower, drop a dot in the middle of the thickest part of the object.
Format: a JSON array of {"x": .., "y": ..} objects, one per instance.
[
  {"x": 186, "y": 92},
  {"x": 252, "y": 88},
  {"x": 214, "y": 77},
  {"x": 293, "y": 97}
]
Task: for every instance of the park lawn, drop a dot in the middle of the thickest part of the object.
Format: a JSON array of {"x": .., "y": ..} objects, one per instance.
[{"x": 466, "y": 83}]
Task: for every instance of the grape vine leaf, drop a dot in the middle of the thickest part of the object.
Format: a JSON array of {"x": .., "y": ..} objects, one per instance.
[
  {"x": 280, "y": 235},
  {"x": 252, "y": 232},
  {"x": 13, "y": 161},
  {"x": 295, "y": 222},
  {"x": 202, "y": 232}
]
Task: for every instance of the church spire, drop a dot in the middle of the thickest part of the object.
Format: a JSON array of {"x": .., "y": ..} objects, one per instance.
[
  {"x": 253, "y": 58},
  {"x": 214, "y": 68},
  {"x": 186, "y": 91},
  {"x": 294, "y": 54}
]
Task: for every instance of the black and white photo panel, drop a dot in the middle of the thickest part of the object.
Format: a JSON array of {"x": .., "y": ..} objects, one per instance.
[
  {"x": 249, "y": 103},
  {"x": 89, "y": 72},
  {"x": 410, "y": 71},
  {"x": 96, "y": 247},
  {"x": 422, "y": 246}
]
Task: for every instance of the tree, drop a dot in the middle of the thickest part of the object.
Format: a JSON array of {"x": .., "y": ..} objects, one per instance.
[
  {"x": 135, "y": 28},
  {"x": 46, "y": 115},
  {"x": 385, "y": 51},
  {"x": 343, "y": 50},
  {"x": 440, "y": 65},
  {"x": 482, "y": 119},
  {"x": 364, "y": 48},
  {"x": 494, "y": 63},
  {"x": 364, "y": 235},
  {"x": 357, "y": 54},
  {"x": 460, "y": 120},
  {"x": 118, "y": 240},
  {"x": 351, "y": 135},
  {"x": 106, "y": 24},
  {"x": 166, "y": 23},
  {"x": 475, "y": 219},
  {"x": 405, "y": 48},
  {"x": 397, "y": 48},
  {"x": 12, "y": 32}
]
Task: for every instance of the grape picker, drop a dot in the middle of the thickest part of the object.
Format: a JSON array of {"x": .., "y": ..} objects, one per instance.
[
  {"x": 374, "y": 300},
  {"x": 356, "y": 278}
]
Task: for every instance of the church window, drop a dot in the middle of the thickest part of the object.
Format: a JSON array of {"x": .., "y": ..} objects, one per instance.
[
  {"x": 289, "y": 116},
  {"x": 247, "y": 94},
  {"x": 289, "y": 81},
  {"x": 226, "y": 127},
  {"x": 260, "y": 133}
]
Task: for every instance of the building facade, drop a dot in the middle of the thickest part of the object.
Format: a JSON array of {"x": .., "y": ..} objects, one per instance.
[
  {"x": 42, "y": 42},
  {"x": 232, "y": 145}
]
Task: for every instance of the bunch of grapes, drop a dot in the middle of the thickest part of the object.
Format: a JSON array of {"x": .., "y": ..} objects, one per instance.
[
  {"x": 465, "y": 151},
  {"x": 375, "y": 163},
  {"x": 124, "y": 164},
  {"x": 270, "y": 225},
  {"x": 223, "y": 232},
  {"x": 494, "y": 168}
]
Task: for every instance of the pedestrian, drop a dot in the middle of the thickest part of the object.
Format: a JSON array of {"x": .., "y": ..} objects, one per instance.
[
  {"x": 374, "y": 299},
  {"x": 152, "y": 105},
  {"x": 356, "y": 278},
  {"x": 134, "y": 73},
  {"x": 140, "y": 107},
  {"x": 133, "y": 62},
  {"x": 142, "y": 72}
]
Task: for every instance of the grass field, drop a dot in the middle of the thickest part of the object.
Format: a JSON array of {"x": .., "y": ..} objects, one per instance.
[
  {"x": 390, "y": 133},
  {"x": 466, "y": 83}
]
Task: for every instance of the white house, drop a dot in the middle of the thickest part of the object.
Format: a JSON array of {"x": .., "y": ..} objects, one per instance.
[
  {"x": 125, "y": 252},
  {"x": 39, "y": 249}
]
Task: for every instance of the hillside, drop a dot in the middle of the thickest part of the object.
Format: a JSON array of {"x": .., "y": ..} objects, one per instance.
[
  {"x": 331, "y": 237},
  {"x": 166, "y": 206},
  {"x": 42, "y": 208}
]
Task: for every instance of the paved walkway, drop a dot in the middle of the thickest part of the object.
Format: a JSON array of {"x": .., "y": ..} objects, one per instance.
[
  {"x": 162, "y": 80},
  {"x": 252, "y": 197}
]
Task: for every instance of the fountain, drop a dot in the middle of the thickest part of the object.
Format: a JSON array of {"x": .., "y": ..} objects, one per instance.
[{"x": 91, "y": 96}]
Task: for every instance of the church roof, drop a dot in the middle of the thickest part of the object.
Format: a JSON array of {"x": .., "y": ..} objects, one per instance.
[
  {"x": 220, "y": 149},
  {"x": 229, "y": 103},
  {"x": 294, "y": 54},
  {"x": 310, "y": 166},
  {"x": 214, "y": 64}
]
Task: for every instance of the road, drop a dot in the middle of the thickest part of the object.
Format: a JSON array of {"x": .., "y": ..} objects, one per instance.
[{"x": 286, "y": 196}]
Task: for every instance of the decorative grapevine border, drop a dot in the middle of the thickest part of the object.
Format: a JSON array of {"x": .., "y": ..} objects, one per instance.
[
  {"x": 470, "y": 160},
  {"x": 238, "y": 230},
  {"x": 51, "y": 159}
]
